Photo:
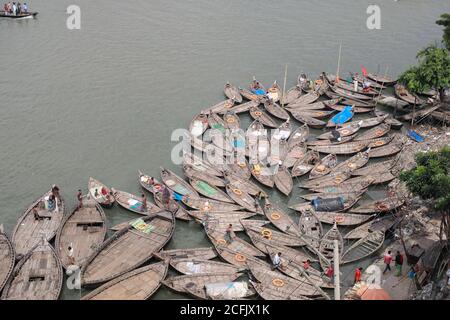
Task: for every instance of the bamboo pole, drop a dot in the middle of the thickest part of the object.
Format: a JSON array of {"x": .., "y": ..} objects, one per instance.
[
  {"x": 284, "y": 87},
  {"x": 339, "y": 63},
  {"x": 337, "y": 285}
]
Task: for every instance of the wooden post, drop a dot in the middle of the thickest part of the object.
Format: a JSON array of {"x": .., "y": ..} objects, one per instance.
[
  {"x": 337, "y": 286},
  {"x": 284, "y": 86},
  {"x": 339, "y": 63}
]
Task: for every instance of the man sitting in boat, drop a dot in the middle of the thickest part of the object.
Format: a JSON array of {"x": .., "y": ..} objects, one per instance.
[
  {"x": 366, "y": 86},
  {"x": 276, "y": 260}
]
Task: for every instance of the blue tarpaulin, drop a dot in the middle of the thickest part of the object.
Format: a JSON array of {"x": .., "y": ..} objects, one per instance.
[
  {"x": 343, "y": 116},
  {"x": 415, "y": 136},
  {"x": 177, "y": 197},
  {"x": 259, "y": 92}
]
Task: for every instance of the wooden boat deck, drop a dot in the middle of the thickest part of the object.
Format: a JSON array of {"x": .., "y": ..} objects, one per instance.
[{"x": 7, "y": 259}]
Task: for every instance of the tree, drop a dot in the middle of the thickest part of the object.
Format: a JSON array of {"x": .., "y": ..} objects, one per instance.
[
  {"x": 433, "y": 71},
  {"x": 445, "y": 21},
  {"x": 430, "y": 179}
]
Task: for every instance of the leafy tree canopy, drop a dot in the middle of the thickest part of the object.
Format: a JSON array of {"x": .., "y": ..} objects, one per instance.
[{"x": 445, "y": 22}]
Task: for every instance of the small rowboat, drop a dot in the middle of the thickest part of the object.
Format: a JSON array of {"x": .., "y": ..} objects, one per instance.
[
  {"x": 356, "y": 109},
  {"x": 201, "y": 163},
  {"x": 177, "y": 184},
  {"x": 198, "y": 125},
  {"x": 232, "y": 120},
  {"x": 318, "y": 114},
  {"x": 192, "y": 173},
  {"x": 274, "y": 92},
  {"x": 379, "y": 206},
  {"x": 232, "y": 92},
  {"x": 100, "y": 192},
  {"x": 139, "y": 284},
  {"x": 221, "y": 220},
  {"x": 353, "y": 163},
  {"x": 373, "y": 84},
  {"x": 216, "y": 122},
  {"x": 257, "y": 88},
  {"x": 326, "y": 246},
  {"x": 305, "y": 118},
  {"x": 242, "y": 198},
  {"x": 342, "y": 218},
  {"x": 363, "y": 230},
  {"x": 387, "y": 150},
  {"x": 354, "y": 184},
  {"x": 344, "y": 195},
  {"x": 134, "y": 203},
  {"x": 209, "y": 191},
  {"x": 350, "y": 87},
  {"x": 37, "y": 276},
  {"x": 364, "y": 247},
  {"x": 343, "y": 148},
  {"x": 374, "y": 133},
  {"x": 275, "y": 237},
  {"x": 247, "y": 94},
  {"x": 326, "y": 180},
  {"x": 263, "y": 175},
  {"x": 293, "y": 154},
  {"x": 275, "y": 110},
  {"x": 324, "y": 166},
  {"x": 304, "y": 99},
  {"x": 209, "y": 204},
  {"x": 376, "y": 143},
  {"x": 206, "y": 253},
  {"x": 376, "y": 168},
  {"x": 84, "y": 230},
  {"x": 349, "y": 94},
  {"x": 299, "y": 136},
  {"x": 323, "y": 142},
  {"x": 345, "y": 131},
  {"x": 304, "y": 165},
  {"x": 291, "y": 95},
  {"x": 260, "y": 115},
  {"x": 7, "y": 259},
  {"x": 220, "y": 107},
  {"x": 192, "y": 266},
  {"x": 310, "y": 227},
  {"x": 283, "y": 180},
  {"x": 319, "y": 105},
  {"x": 384, "y": 80},
  {"x": 33, "y": 225},
  {"x": 243, "y": 184},
  {"x": 28, "y": 15},
  {"x": 240, "y": 168},
  {"x": 367, "y": 123},
  {"x": 280, "y": 219},
  {"x": 405, "y": 95}
]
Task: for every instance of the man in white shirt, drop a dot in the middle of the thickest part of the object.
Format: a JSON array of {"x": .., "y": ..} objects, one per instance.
[{"x": 276, "y": 260}]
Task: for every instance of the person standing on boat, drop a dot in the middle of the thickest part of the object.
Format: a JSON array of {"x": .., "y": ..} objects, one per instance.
[
  {"x": 229, "y": 234},
  {"x": 6, "y": 8},
  {"x": 25, "y": 8},
  {"x": 19, "y": 9},
  {"x": 144, "y": 202},
  {"x": 330, "y": 272},
  {"x": 80, "y": 199},
  {"x": 276, "y": 260}
]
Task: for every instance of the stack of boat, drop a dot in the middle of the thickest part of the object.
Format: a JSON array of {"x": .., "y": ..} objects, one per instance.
[{"x": 228, "y": 197}]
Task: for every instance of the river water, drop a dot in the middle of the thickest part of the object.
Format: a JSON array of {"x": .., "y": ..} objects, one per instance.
[{"x": 103, "y": 101}]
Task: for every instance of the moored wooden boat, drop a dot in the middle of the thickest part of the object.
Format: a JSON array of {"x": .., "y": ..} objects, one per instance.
[
  {"x": 298, "y": 255},
  {"x": 310, "y": 227},
  {"x": 243, "y": 184},
  {"x": 299, "y": 136},
  {"x": 294, "y": 154},
  {"x": 37, "y": 221},
  {"x": 192, "y": 173},
  {"x": 210, "y": 191},
  {"x": 318, "y": 105},
  {"x": 383, "y": 224},
  {"x": 367, "y": 123},
  {"x": 342, "y": 218},
  {"x": 273, "y": 236},
  {"x": 317, "y": 114},
  {"x": 260, "y": 115},
  {"x": 240, "y": 168},
  {"x": 275, "y": 110},
  {"x": 133, "y": 245},
  {"x": 387, "y": 150},
  {"x": 379, "y": 142},
  {"x": 292, "y": 94},
  {"x": 326, "y": 246},
  {"x": 274, "y": 92},
  {"x": 374, "y": 133},
  {"x": 305, "y": 118},
  {"x": 327, "y": 142},
  {"x": 345, "y": 195},
  {"x": 351, "y": 147},
  {"x": 220, "y": 107},
  {"x": 402, "y": 93},
  {"x": 323, "y": 167},
  {"x": 280, "y": 219},
  {"x": 210, "y": 204},
  {"x": 376, "y": 168},
  {"x": 232, "y": 92},
  {"x": 263, "y": 175},
  {"x": 206, "y": 253},
  {"x": 345, "y": 131},
  {"x": 242, "y": 198},
  {"x": 7, "y": 259},
  {"x": 232, "y": 120},
  {"x": 134, "y": 203},
  {"x": 83, "y": 230},
  {"x": 215, "y": 122},
  {"x": 100, "y": 192},
  {"x": 379, "y": 206},
  {"x": 283, "y": 180},
  {"x": 177, "y": 184},
  {"x": 382, "y": 79},
  {"x": 354, "y": 184},
  {"x": 200, "y": 163},
  {"x": 192, "y": 266},
  {"x": 349, "y": 94},
  {"x": 247, "y": 94},
  {"x": 364, "y": 247},
  {"x": 198, "y": 125},
  {"x": 308, "y": 98},
  {"x": 356, "y": 109},
  {"x": 331, "y": 179},
  {"x": 139, "y": 284},
  {"x": 304, "y": 165},
  {"x": 37, "y": 276},
  {"x": 353, "y": 163},
  {"x": 220, "y": 220}
]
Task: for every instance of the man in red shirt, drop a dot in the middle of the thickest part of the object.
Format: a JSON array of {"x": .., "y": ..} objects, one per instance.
[
  {"x": 387, "y": 261},
  {"x": 329, "y": 273},
  {"x": 358, "y": 272}
]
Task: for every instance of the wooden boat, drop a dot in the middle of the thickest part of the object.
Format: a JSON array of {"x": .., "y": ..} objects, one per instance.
[
  {"x": 37, "y": 276},
  {"x": 324, "y": 166},
  {"x": 192, "y": 173},
  {"x": 232, "y": 120},
  {"x": 278, "y": 153},
  {"x": 345, "y": 195},
  {"x": 373, "y": 84},
  {"x": 342, "y": 218},
  {"x": 28, "y": 15},
  {"x": 349, "y": 87},
  {"x": 374, "y": 133},
  {"x": 243, "y": 184},
  {"x": 210, "y": 204},
  {"x": 194, "y": 284},
  {"x": 198, "y": 125},
  {"x": 354, "y": 184},
  {"x": 293, "y": 154},
  {"x": 222, "y": 141},
  {"x": 339, "y": 107},
  {"x": 326, "y": 246},
  {"x": 139, "y": 284},
  {"x": 256, "y": 85},
  {"x": 201, "y": 163},
  {"x": 353, "y": 163},
  {"x": 384, "y": 80},
  {"x": 100, "y": 192},
  {"x": 305, "y": 118},
  {"x": 318, "y": 105},
  {"x": 419, "y": 113},
  {"x": 383, "y": 177},
  {"x": 364, "y": 247},
  {"x": 380, "y": 224},
  {"x": 300, "y": 135},
  {"x": 376, "y": 168},
  {"x": 209, "y": 191},
  {"x": 29, "y": 229},
  {"x": 274, "y": 92},
  {"x": 260, "y": 115},
  {"x": 304, "y": 165},
  {"x": 275, "y": 110},
  {"x": 232, "y": 92},
  {"x": 280, "y": 219},
  {"x": 317, "y": 114},
  {"x": 215, "y": 122},
  {"x": 7, "y": 259},
  {"x": 366, "y": 123},
  {"x": 402, "y": 93},
  {"x": 297, "y": 255},
  {"x": 351, "y": 147},
  {"x": 220, "y": 107},
  {"x": 347, "y": 130},
  {"x": 275, "y": 237},
  {"x": 323, "y": 142},
  {"x": 379, "y": 206},
  {"x": 283, "y": 132},
  {"x": 177, "y": 184},
  {"x": 326, "y": 180},
  {"x": 376, "y": 143},
  {"x": 242, "y": 198},
  {"x": 189, "y": 253},
  {"x": 308, "y": 98},
  {"x": 310, "y": 227},
  {"x": 221, "y": 220},
  {"x": 263, "y": 175},
  {"x": 291, "y": 95},
  {"x": 240, "y": 168},
  {"x": 349, "y": 94},
  {"x": 134, "y": 203},
  {"x": 192, "y": 266},
  {"x": 387, "y": 150},
  {"x": 247, "y": 94},
  {"x": 84, "y": 230},
  {"x": 283, "y": 180},
  {"x": 133, "y": 245},
  {"x": 350, "y": 101}
]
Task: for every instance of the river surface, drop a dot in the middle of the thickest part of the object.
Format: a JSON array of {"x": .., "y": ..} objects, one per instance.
[{"x": 103, "y": 101}]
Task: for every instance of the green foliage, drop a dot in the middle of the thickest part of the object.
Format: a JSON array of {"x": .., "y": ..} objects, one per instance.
[
  {"x": 430, "y": 179},
  {"x": 445, "y": 22},
  {"x": 433, "y": 71}
]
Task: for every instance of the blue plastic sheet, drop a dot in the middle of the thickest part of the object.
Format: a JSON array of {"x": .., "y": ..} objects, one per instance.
[
  {"x": 259, "y": 92},
  {"x": 343, "y": 116},
  {"x": 177, "y": 197},
  {"x": 415, "y": 136}
]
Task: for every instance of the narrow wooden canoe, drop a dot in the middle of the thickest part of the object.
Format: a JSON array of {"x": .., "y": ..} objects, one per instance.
[
  {"x": 339, "y": 107},
  {"x": 349, "y": 87},
  {"x": 419, "y": 113},
  {"x": 311, "y": 227},
  {"x": 326, "y": 180},
  {"x": 263, "y": 175},
  {"x": 134, "y": 203},
  {"x": 7, "y": 259},
  {"x": 298, "y": 255},
  {"x": 291, "y": 95},
  {"x": 354, "y": 184},
  {"x": 294, "y": 154},
  {"x": 326, "y": 246},
  {"x": 384, "y": 80},
  {"x": 274, "y": 92},
  {"x": 323, "y": 167},
  {"x": 221, "y": 220},
  {"x": 256, "y": 85},
  {"x": 275, "y": 110},
  {"x": 383, "y": 224},
  {"x": 177, "y": 184},
  {"x": 139, "y": 284},
  {"x": 192, "y": 173},
  {"x": 351, "y": 147},
  {"x": 283, "y": 180},
  {"x": 247, "y": 94},
  {"x": 242, "y": 198},
  {"x": 232, "y": 120},
  {"x": 232, "y": 92},
  {"x": 210, "y": 191},
  {"x": 353, "y": 163},
  {"x": 100, "y": 192},
  {"x": 402, "y": 93},
  {"x": 220, "y": 107},
  {"x": 240, "y": 168},
  {"x": 215, "y": 122},
  {"x": 200, "y": 163},
  {"x": 374, "y": 133},
  {"x": 260, "y": 115},
  {"x": 37, "y": 276},
  {"x": 283, "y": 132},
  {"x": 275, "y": 237},
  {"x": 210, "y": 204},
  {"x": 373, "y": 84},
  {"x": 304, "y": 165},
  {"x": 367, "y": 123},
  {"x": 280, "y": 219},
  {"x": 376, "y": 143},
  {"x": 345, "y": 195},
  {"x": 319, "y": 105},
  {"x": 28, "y": 15},
  {"x": 318, "y": 114},
  {"x": 347, "y": 130},
  {"x": 342, "y": 218},
  {"x": 192, "y": 266},
  {"x": 376, "y": 168},
  {"x": 300, "y": 135},
  {"x": 132, "y": 247},
  {"x": 84, "y": 230},
  {"x": 29, "y": 231},
  {"x": 379, "y": 206},
  {"x": 323, "y": 142},
  {"x": 305, "y": 118},
  {"x": 198, "y": 125},
  {"x": 387, "y": 150},
  {"x": 206, "y": 253},
  {"x": 305, "y": 99},
  {"x": 243, "y": 184},
  {"x": 364, "y": 247},
  {"x": 349, "y": 94}
]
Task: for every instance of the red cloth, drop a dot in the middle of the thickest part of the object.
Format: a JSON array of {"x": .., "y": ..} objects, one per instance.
[
  {"x": 357, "y": 275},
  {"x": 329, "y": 272},
  {"x": 104, "y": 191},
  {"x": 364, "y": 71}
]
